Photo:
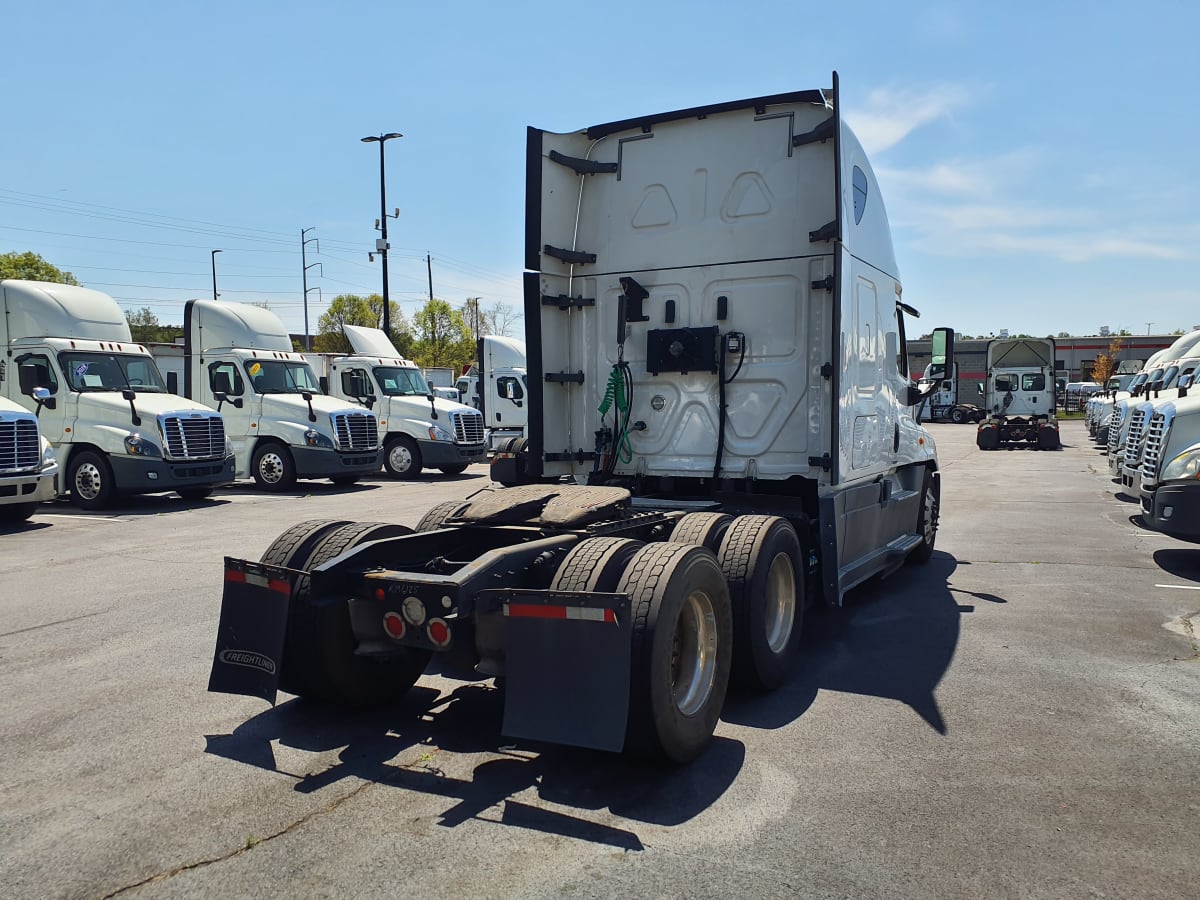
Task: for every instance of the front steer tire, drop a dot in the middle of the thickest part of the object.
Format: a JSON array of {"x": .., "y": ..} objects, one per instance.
[
  {"x": 91, "y": 480},
  {"x": 681, "y": 650},
  {"x": 402, "y": 457},
  {"x": 273, "y": 467}
]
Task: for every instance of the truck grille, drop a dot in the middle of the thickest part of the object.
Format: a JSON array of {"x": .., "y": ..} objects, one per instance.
[
  {"x": 356, "y": 431},
  {"x": 1114, "y": 429},
  {"x": 20, "y": 449},
  {"x": 468, "y": 427},
  {"x": 1133, "y": 439},
  {"x": 1156, "y": 438},
  {"x": 194, "y": 436}
]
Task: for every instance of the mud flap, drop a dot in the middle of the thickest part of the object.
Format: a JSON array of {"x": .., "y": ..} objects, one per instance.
[
  {"x": 250, "y": 636},
  {"x": 567, "y": 666}
]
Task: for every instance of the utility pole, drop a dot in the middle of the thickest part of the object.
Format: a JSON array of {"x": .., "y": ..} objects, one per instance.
[
  {"x": 305, "y": 266},
  {"x": 381, "y": 245},
  {"x": 429, "y": 269},
  {"x": 1148, "y": 324}
]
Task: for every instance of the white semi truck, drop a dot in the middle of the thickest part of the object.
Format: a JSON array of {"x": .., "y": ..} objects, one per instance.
[
  {"x": 498, "y": 386},
  {"x": 239, "y": 358},
  {"x": 942, "y": 403},
  {"x": 1169, "y": 476},
  {"x": 722, "y": 434},
  {"x": 115, "y": 427},
  {"x": 1018, "y": 395},
  {"x": 419, "y": 429},
  {"x": 28, "y": 466}
]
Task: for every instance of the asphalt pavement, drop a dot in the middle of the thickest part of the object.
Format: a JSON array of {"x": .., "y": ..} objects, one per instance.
[{"x": 1018, "y": 718}]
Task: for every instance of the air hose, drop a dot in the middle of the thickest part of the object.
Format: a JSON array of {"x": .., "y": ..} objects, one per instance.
[{"x": 616, "y": 394}]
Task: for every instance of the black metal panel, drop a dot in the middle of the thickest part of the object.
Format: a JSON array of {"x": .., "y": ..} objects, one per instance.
[
  {"x": 682, "y": 350},
  {"x": 535, "y": 432},
  {"x": 533, "y": 199},
  {"x": 253, "y": 625}
]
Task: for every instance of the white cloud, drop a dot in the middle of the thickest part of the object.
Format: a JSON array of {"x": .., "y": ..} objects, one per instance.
[{"x": 891, "y": 115}]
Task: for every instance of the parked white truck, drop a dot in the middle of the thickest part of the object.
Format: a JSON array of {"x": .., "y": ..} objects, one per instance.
[
  {"x": 1018, "y": 395},
  {"x": 114, "y": 426},
  {"x": 419, "y": 430},
  {"x": 28, "y": 466},
  {"x": 1169, "y": 477},
  {"x": 239, "y": 358},
  {"x": 942, "y": 403},
  {"x": 722, "y": 433},
  {"x": 498, "y": 386}
]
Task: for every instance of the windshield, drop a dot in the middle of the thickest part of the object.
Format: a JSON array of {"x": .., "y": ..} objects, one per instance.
[
  {"x": 281, "y": 377},
  {"x": 400, "y": 381},
  {"x": 111, "y": 372},
  {"x": 1169, "y": 377}
]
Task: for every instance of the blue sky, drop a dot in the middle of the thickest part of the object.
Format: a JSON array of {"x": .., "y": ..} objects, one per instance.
[{"x": 1037, "y": 159}]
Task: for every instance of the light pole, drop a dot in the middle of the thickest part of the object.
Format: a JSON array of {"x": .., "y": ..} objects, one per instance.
[
  {"x": 214, "y": 265},
  {"x": 381, "y": 245},
  {"x": 305, "y": 266}
]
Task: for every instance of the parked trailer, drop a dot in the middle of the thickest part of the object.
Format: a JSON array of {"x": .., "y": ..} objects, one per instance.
[{"x": 722, "y": 433}]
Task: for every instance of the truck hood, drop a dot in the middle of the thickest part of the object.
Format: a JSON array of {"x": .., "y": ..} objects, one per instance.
[
  {"x": 418, "y": 407},
  {"x": 293, "y": 406},
  {"x": 111, "y": 405}
]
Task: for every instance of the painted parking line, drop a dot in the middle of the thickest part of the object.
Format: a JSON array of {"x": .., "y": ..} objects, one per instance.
[{"x": 1180, "y": 587}]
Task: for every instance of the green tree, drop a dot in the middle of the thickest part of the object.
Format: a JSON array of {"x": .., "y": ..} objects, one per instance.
[
  {"x": 145, "y": 327},
  {"x": 367, "y": 312},
  {"x": 441, "y": 336},
  {"x": 32, "y": 267}
]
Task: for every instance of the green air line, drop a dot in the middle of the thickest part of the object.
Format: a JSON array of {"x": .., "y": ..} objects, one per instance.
[{"x": 614, "y": 393}]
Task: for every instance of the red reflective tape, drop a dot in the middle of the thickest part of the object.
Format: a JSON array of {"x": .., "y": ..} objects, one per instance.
[
  {"x": 535, "y": 611},
  {"x": 282, "y": 587},
  {"x": 235, "y": 575}
]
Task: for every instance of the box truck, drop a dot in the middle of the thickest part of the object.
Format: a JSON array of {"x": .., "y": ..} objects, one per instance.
[
  {"x": 498, "y": 386},
  {"x": 115, "y": 427},
  {"x": 722, "y": 433}
]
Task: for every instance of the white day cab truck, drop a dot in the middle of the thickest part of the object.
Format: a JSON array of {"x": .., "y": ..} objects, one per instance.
[
  {"x": 1169, "y": 485},
  {"x": 239, "y": 358},
  {"x": 942, "y": 401},
  {"x": 1019, "y": 396},
  {"x": 722, "y": 434},
  {"x": 498, "y": 386},
  {"x": 28, "y": 466},
  {"x": 115, "y": 428},
  {"x": 420, "y": 430}
]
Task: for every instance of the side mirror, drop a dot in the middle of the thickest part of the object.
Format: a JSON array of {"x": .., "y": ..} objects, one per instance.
[
  {"x": 28, "y": 377},
  {"x": 979, "y": 388},
  {"x": 172, "y": 382},
  {"x": 323, "y": 382},
  {"x": 941, "y": 363},
  {"x": 358, "y": 387},
  {"x": 1185, "y": 382},
  {"x": 221, "y": 384}
]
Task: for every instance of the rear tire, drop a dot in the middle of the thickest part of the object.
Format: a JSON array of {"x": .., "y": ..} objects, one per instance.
[
  {"x": 319, "y": 661},
  {"x": 987, "y": 439},
  {"x": 436, "y": 517},
  {"x": 956, "y": 416},
  {"x": 595, "y": 564},
  {"x": 1047, "y": 439},
  {"x": 681, "y": 650},
  {"x": 706, "y": 529},
  {"x": 760, "y": 557}
]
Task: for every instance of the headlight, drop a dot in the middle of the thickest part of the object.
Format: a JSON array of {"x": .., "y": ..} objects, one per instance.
[
  {"x": 437, "y": 433},
  {"x": 228, "y": 447},
  {"x": 1185, "y": 465},
  {"x": 136, "y": 445},
  {"x": 314, "y": 438},
  {"x": 49, "y": 457}
]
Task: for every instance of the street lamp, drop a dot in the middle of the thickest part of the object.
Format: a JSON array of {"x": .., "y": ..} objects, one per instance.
[
  {"x": 381, "y": 245},
  {"x": 214, "y": 265}
]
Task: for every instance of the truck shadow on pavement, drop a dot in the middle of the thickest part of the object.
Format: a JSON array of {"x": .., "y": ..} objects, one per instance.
[
  {"x": 416, "y": 744},
  {"x": 1182, "y": 563},
  {"x": 893, "y": 638}
]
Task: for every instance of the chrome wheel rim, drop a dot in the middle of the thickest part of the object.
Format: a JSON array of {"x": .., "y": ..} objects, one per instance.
[
  {"x": 780, "y": 611},
  {"x": 930, "y": 528},
  {"x": 87, "y": 481},
  {"x": 694, "y": 654},
  {"x": 270, "y": 467}
]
